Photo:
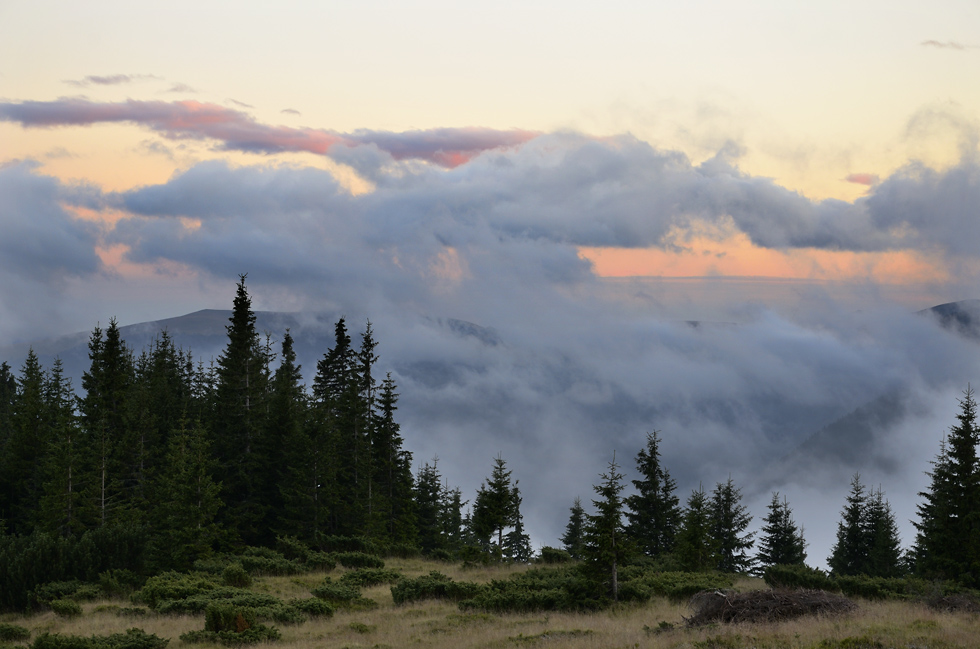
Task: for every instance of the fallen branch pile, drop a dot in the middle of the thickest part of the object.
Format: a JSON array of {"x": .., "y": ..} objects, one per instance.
[
  {"x": 954, "y": 604},
  {"x": 764, "y": 605}
]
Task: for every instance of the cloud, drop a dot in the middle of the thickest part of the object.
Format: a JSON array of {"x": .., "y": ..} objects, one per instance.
[
  {"x": 181, "y": 88},
  {"x": 501, "y": 337},
  {"x": 290, "y": 111},
  {"x": 240, "y": 103},
  {"x": 109, "y": 80},
  {"x": 947, "y": 45},
  {"x": 862, "y": 179},
  {"x": 239, "y": 132}
]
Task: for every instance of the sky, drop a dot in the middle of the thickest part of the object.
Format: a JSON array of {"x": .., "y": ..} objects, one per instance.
[{"x": 579, "y": 181}]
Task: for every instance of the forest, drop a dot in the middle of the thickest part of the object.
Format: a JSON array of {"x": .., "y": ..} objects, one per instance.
[{"x": 168, "y": 477}]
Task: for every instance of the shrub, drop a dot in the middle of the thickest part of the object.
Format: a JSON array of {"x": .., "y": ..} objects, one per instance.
[
  {"x": 359, "y": 560},
  {"x": 231, "y": 625},
  {"x": 173, "y": 586},
  {"x": 440, "y": 554},
  {"x": 65, "y": 607},
  {"x": 314, "y": 607},
  {"x": 266, "y": 561},
  {"x": 539, "y": 589},
  {"x": 435, "y": 585},
  {"x": 640, "y": 585},
  {"x": 370, "y": 577},
  {"x": 214, "y": 564},
  {"x": 335, "y": 592},
  {"x": 348, "y": 544},
  {"x": 131, "y": 639},
  {"x": 554, "y": 555},
  {"x": 235, "y": 575},
  {"x": 265, "y": 606},
  {"x": 798, "y": 576},
  {"x": 403, "y": 551},
  {"x": 119, "y": 582},
  {"x": 12, "y": 632}
]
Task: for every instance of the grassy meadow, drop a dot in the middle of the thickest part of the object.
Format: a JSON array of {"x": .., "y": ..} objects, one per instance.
[{"x": 441, "y": 624}]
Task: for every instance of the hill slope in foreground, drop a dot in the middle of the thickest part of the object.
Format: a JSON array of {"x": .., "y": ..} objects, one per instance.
[{"x": 441, "y": 624}]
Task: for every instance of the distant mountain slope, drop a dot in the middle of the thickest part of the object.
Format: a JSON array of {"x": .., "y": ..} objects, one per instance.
[{"x": 962, "y": 317}]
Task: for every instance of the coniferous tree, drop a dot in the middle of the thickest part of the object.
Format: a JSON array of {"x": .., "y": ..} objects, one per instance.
[
  {"x": 22, "y": 459},
  {"x": 493, "y": 508},
  {"x": 61, "y": 501},
  {"x": 8, "y": 395},
  {"x": 782, "y": 541},
  {"x": 884, "y": 546},
  {"x": 187, "y": 500},
  {"x": 453, "y": 533},
  {"x": 729, "y": 521},
  {"x": 607, "y": 547},
  {"x": 428, "y": 507},
  {"x": 697, "y": 549},
  {"x": 393, "y": 510},
  {"x": 849, "y": 554},
  {"x": 574, "y": 538},
  {"x": 517, "y": 543},
  {"x": 239, "y": 422},
  {"x": 935, "y": 554},
  {"x": 654, "y": 510}
]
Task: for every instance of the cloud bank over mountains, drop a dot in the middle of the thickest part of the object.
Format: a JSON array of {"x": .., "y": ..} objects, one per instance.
[{"x": 574, "y": 370}]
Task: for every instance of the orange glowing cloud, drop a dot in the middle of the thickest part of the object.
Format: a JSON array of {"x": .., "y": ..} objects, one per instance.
[{"x": 736, "y": 256}]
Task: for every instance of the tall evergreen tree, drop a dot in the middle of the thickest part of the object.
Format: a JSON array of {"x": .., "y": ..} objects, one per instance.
[
  {"x": 849, "y": 554},
  {"x": 884, "y": 546},
  {"x": 8, "y": 395},
  {"x": 493, "y": 508},
  {"x": 654, "y": 510},
  {"x": 239, "y": 421},
  {"x": 23, "y": 456},
  {"x": 451, "y": 517},
  {"x": 428, "y": 507},
  {"x": 729, "y": 521},
  {"x": 61, "y": 502},
  {"x": 186, "y": 502},
  {"x": 697, "y": 549},
  {"x": 573, "y": 540},
  {"x": 607, "y": 547},
  {"x": 935, "y": 554},
  {"x": 393, "y": 509},
  {"x": 517, "y": 543},
  {"x": 782, "y": 541}
]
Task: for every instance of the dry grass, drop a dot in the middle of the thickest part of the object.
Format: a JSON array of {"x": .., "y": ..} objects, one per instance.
[{"x": 441, "y": 625}]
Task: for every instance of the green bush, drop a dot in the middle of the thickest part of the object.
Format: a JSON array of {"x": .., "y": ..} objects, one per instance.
[
  {"x": 348, "y": 544},
  {"x": 403, "y": 551},
  {"x": 120, "y": 582},
  {"x": 214, "y": 565},
  {"x": 44, "y": 593},
  {"x": 174, "y": 586},
  {"x": 235, "y": 575},
  {"x": 231, "y": 625},
  {"x": 13, "y": 632},
  {"x": 65, "y": 607},
  {"x": 884, "y": 587},
  {"x": 798, "y": 576},
  {"x": 554, "y": 555},
  {"x": 564, "y": 588},
  {"x": 441, "y": 555},
  {"x": 267, "y": 607},
  {"x": 314, "y": 606},
  {"x": 266, "y": 561},
  {"x": 131, "y": 639},
  {"x": 637, "y": 584},
  {"x": 335, "y": 592},
  {"x": 435, "y": 585},
  {"x": 359, "y": 560},
  {"x": 370, "y": 577}
]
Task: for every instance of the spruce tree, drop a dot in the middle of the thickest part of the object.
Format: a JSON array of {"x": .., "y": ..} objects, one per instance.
[
  {"x": 61, "y": 501},
  {"x": 849, "y": 555},
  {"x": 493, "y": 508},
  {"x": 393, "y": 510},
  {"x": 936, "y": 555},
  {"x": 607, "y": 547},
  {"x": 884, "y": 546},
  {"x": 428, "y": 507},
  {"x": 573, "y": 540},
  {"x": 654, "y": 510},
  {"x": 729, "y": 521},
  {"x": 8, "y": 395},
  {"x": 782, "y": 541},
  {"x": 239, "y": 422},
  {"x": 697, "y": 550},
  {"x": 517, "y": 543},
  {"x": 28, "y": 442},
  {"x": 451, "y": 518}
]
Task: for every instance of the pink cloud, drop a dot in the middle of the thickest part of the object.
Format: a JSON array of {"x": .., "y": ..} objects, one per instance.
[
  {"x": 862, "y": 179},
  {"x": 238, "y": 131}
]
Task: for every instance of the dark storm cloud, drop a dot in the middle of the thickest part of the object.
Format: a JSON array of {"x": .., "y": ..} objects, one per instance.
[{"x": 237, "y": 131}]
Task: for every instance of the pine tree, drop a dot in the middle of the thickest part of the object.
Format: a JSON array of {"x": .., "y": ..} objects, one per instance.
[
  {"x": 884, "y": 546},
  {"x": 729, "y": 521},
  {"x": 451, "y": 518},
  {"x": 239, "y": 421},
  {"x": 849, "y": 555},
  {"x": 696, "y": 550},
  {"x": 493, "y": 508},
  {"x": 28, "y": 441},
  {"x": 61, "y": 501},
  {"x": 187, "y": 500},
  {"x": 393, "y": 510},
  {"x": 936, "y": 555},
  {"x": 428, "y": 507},
  {"x": 574, "y": 538},
  {"x": 654, "y": 510},
  {"x": 607, "y": 547},
  {"x": 8, "y": 396},
  {"x": 517, "y": 543},
  {"x": 782, "y": 541}
]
